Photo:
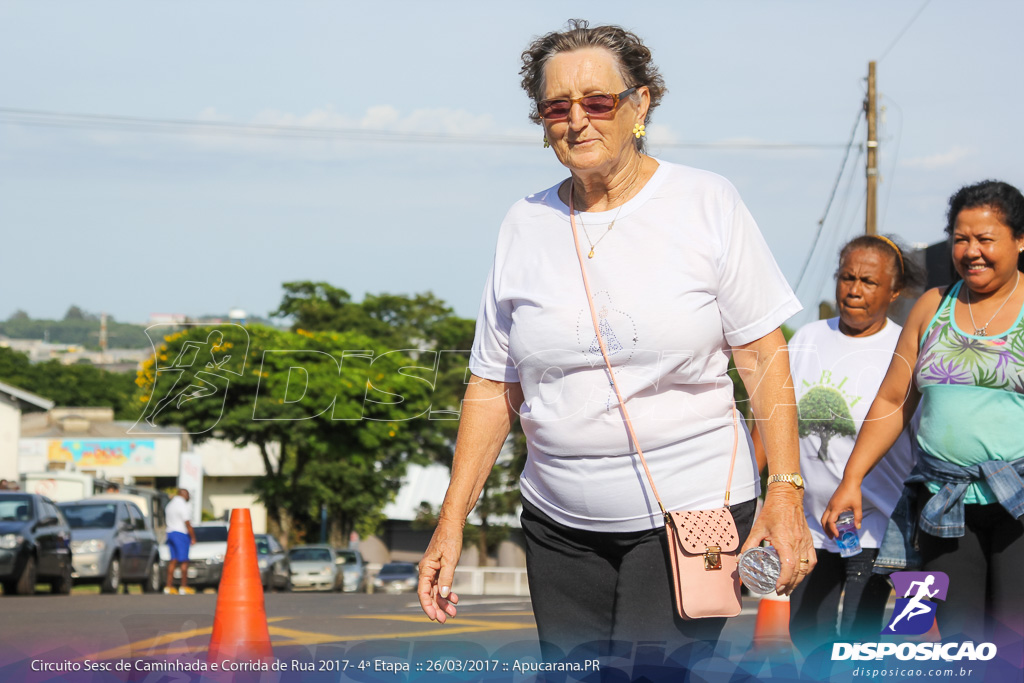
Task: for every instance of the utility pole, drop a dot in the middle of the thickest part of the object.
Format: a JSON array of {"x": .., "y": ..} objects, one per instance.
[
  {"x": 103, "y": 337},
  {"x": 870, "y": 105}
]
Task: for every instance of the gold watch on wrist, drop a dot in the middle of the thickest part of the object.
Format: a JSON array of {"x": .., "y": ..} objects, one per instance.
[{"x": 794, "y": 479}]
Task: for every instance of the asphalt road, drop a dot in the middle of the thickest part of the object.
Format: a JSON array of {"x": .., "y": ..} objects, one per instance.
[
  {"x": 125, "y": 624},
  {"x": 355, "y": 637},
  {"x": 383, "y": 633}
]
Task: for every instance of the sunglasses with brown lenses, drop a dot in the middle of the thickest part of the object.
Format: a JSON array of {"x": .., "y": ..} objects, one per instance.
[{"x": 599, "y": 105}]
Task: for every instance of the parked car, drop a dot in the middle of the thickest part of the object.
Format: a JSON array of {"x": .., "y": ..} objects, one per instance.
[
  {"x": 315, "y": 568},
  {"x": 151, "y": 505},
  {"x": 353, "y": 569},
  {"x": 113, "y": 544},
  {"x": 35, "y": 544},
  {"x": 397, "y": 577},
  {"x": 275, "y": 570},
  {"x": 205, "y": 556}
]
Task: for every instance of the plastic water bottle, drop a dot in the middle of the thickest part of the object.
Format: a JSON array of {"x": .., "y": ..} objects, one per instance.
[
  {"x": 848, "y": 540},
  {"x": 759, "y": 568}
]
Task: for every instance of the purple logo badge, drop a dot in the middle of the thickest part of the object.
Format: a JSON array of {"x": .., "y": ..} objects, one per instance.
[{"x": 915, "y": 611}]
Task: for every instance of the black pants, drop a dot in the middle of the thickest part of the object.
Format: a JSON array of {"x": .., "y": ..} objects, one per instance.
[
  {"x": 986, "y": 569},
  {"x": 814, "y": 604},
  {"x": 590, "y": 587}
]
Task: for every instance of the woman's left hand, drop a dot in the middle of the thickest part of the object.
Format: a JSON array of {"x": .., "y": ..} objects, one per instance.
[{"x": 782, "y": 523}]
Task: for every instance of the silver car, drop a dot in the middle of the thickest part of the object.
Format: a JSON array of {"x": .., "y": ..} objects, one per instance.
[
  {"x": 315, "y": 568},
  {"x": 273, "y": 562},
  {"x": 353, "y": 569},
  {"x": 112, "y": 544}
]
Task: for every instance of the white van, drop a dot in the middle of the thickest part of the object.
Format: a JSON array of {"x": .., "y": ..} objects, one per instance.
[{"x": 59, "y": 486}]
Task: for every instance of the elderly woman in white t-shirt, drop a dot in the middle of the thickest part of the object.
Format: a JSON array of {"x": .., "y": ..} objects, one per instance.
[
  {"x": 838, "y": 365},
  {"x": 681, "y": 279}
]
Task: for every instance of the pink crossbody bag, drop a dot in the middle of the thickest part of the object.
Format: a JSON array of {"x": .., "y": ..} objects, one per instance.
[{"x": 703, "y": 544}]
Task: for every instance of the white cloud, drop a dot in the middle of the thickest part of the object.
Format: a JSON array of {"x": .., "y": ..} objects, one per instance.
[
  {"x": 385, "y": 117},
  {"x": 380, "y": 118},
  {"x": 932, "y": 162},
  {"x": 332, "y": 132},
  {"x": 321, "y": 117},
  {"x": 211, "y": 114}
]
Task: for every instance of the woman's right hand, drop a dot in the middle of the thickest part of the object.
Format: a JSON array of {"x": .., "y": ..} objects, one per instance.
[
  {"x": 846, "y": 497},
  {"x": 437, "y": 569}
]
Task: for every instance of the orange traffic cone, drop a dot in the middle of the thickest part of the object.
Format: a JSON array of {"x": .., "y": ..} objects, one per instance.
[
  {"x": 771, "y": 630},
  {"x": 240, "y": 624}
]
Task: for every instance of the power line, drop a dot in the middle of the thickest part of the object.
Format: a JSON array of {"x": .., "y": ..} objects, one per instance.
[
  {"x": 844, "y": 231},
  {"x": 846, "y": 221},
  {"x": 841, "y": 221},
  {"x": 895, "y": 157},
  {"x": 137, "y": 124},
  {"x": 832, "y": 196},
  {"x": 905, "y": 29}
]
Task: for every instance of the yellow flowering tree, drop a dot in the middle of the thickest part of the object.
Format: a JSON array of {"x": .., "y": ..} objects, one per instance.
[{"x": 335, "y": 420}]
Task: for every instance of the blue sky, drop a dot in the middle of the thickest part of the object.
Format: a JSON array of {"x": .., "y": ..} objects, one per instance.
[{"x": 133, "y": 221}]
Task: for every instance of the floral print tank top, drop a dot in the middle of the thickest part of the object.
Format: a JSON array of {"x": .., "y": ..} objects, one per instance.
[
  {"x": 972, "y": 394},
  {"x": 951, "y": 356}
]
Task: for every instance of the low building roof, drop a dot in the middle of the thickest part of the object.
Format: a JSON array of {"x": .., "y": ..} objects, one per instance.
[
  {"x": 116, "y": 429},
  {"x": 26, "y": 399}
]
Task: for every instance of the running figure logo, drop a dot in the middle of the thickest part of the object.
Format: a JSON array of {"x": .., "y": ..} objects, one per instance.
[
  {"x": 915, "y": 611},
  {"x": 194, "y": 362}
]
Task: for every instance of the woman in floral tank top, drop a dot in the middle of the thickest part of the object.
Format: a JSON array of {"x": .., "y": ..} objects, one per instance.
[{"x": 961, "y": 355}]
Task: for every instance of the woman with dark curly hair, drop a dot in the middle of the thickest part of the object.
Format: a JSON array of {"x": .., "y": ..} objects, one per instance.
[
  {"x": 961, "y": 355},
  {"x": 681, "y": 280}
]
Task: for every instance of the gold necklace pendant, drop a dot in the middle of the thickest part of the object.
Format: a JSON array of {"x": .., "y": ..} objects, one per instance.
[{"x": 593, "y": 245}]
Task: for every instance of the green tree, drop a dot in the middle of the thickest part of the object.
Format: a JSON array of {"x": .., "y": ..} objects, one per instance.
[
  {"x": 79, "y": 385},
  {"x": 333, "y": 428},
  {"x": 823, "y": 411},
  {"x": 392, "y": 320},
  {"x": 75, "y": 313},
  {"x": 426, "y": 325},
  {"x": 16, "y": 369}
]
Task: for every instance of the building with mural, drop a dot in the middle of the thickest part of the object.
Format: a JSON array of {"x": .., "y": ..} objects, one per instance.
[{"x": 90, "y": 441}]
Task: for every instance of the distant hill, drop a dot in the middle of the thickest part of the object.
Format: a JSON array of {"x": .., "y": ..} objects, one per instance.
[{"x": 83, "y": 331}]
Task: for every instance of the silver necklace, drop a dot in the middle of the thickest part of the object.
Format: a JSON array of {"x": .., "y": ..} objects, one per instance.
[{"x": 982, "y": 331}]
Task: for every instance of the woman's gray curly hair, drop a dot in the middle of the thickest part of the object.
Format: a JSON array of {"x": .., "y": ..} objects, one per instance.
[{"x": 634, "y": 58}]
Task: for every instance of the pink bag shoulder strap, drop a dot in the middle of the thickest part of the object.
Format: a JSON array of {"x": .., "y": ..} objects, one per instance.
[{"x": 615, "y": 384}]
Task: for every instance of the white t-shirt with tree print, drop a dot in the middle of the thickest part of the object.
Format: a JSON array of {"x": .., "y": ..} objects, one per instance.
[{"x": 836, "y": 378}]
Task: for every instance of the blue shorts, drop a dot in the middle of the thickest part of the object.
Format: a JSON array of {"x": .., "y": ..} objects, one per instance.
[{"x": 178, "y": 544}]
